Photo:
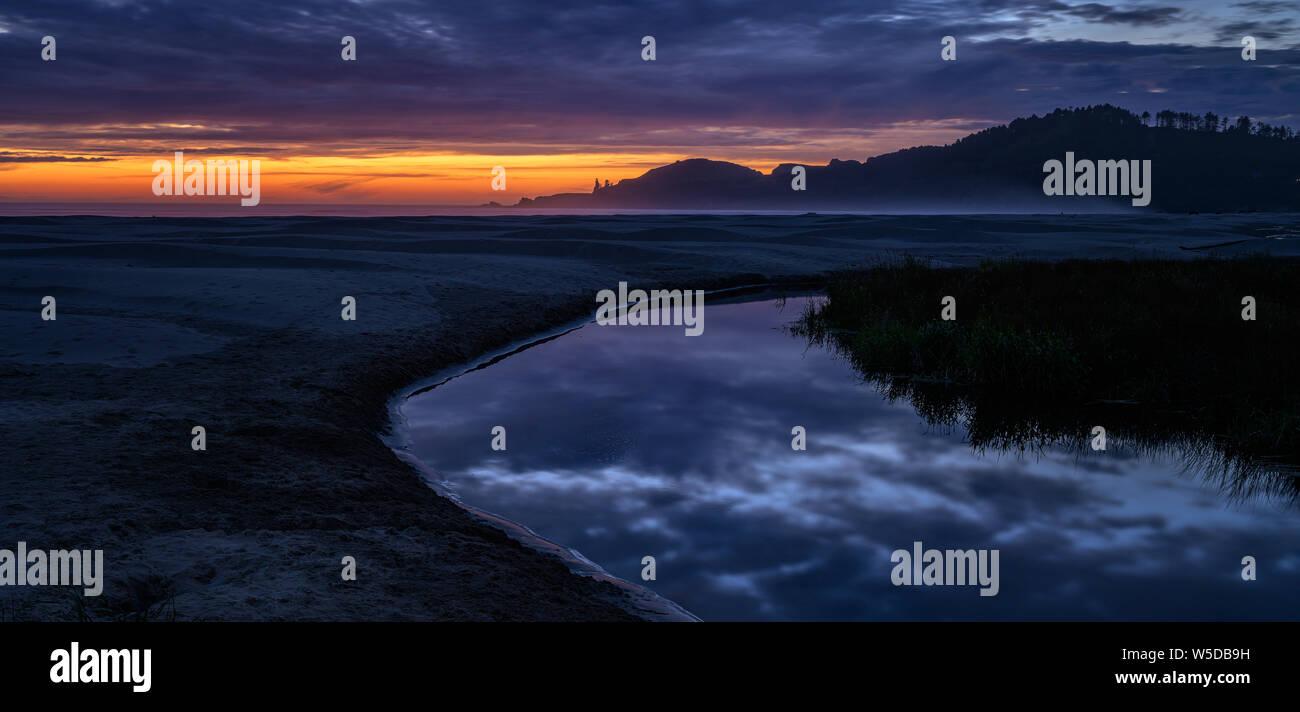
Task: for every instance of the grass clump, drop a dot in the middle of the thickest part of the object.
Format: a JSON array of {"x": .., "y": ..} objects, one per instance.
[{"x": 1156, "y": 351}]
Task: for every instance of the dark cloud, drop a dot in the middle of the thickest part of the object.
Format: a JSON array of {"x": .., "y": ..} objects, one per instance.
[
  {"x": 9, "y": 157},
  {"x": 332, "y": 186},
  {"x": 1266, "y": 7},
  {"x": 1097, "y": 12},
  {"x": 567, "y": 74},
  {"x": 1267, "y": 30}
]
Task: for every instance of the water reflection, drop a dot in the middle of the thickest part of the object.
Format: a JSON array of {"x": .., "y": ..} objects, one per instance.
[{"x": 628, "y": 441}]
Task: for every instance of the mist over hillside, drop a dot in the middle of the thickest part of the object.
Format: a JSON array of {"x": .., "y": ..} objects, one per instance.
[{"x": 1199, "y": 163}]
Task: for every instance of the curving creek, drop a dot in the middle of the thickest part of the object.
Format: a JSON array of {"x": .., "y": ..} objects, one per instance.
[{"x": 625, "y": 442}]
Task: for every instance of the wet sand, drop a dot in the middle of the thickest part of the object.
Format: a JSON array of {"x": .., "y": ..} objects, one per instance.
[{"x": 234, "y": 325}]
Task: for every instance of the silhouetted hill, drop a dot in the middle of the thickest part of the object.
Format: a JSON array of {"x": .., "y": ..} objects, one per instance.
[{"x": 1198, "y": 163}]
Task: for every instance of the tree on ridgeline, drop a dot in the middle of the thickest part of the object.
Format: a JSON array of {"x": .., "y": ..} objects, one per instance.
[{"x": 1202, "y": 162}]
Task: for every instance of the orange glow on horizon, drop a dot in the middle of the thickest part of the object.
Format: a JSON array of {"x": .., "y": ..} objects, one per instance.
[
  {"x": 445, "y": 178},
  {"x": 408, "y": 180}
]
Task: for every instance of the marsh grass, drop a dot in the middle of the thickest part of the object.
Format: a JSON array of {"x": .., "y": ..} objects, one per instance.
[{"x": 1156, "y": 351}]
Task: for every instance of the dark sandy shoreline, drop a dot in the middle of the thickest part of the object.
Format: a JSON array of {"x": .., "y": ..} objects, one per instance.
[
  {"x": 643, "y": 602},
  {"x": 234, "y": 325}
]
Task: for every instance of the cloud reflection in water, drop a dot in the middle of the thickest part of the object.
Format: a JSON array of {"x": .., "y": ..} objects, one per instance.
[{"x": 628, "y": 441}]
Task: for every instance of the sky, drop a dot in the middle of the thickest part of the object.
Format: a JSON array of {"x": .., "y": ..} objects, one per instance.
[{"x": 558, "y": 94}]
